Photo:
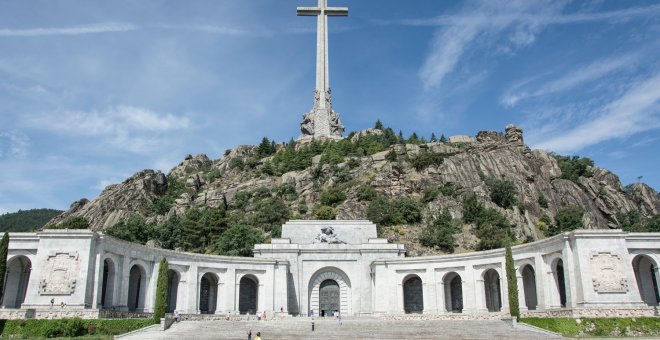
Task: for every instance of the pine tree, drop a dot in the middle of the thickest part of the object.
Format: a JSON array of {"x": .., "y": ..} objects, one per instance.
[
  {"x": 433, "y": 139},
  {"x": 4, "y": 248},
  {"x": 161, "y": 291},
  {"x": 512, "y": 281},
  {"x": 443, "y": 139},
  {"x": 378, "y": 125}
]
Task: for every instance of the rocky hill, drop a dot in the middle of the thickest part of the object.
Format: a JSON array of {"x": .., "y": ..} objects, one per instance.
[{"x": 416, "y": 191}]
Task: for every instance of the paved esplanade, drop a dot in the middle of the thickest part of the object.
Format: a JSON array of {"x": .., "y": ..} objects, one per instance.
[
  {"x": 351, "y": 328},
  {"x": 322, "y": 121}
]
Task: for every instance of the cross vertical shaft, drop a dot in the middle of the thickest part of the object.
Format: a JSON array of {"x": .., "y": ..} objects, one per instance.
[{"x": 322, "y": 121}]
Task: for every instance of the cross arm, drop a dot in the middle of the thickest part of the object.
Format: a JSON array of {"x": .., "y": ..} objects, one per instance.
[
  {"x": 308, "y": 11},
  {"x": 337, "y": 11}
]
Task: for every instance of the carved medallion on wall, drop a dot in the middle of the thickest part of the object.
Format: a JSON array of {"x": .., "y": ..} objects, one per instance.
[
  {"x": 608, "y": 273},
  {"x": 60, "y": 273}
]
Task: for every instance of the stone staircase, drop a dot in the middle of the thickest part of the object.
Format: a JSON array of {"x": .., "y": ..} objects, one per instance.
[{"x": 351, "y": 328}]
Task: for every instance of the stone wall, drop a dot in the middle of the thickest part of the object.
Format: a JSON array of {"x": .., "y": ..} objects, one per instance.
[{"x": 592, "y": 313}]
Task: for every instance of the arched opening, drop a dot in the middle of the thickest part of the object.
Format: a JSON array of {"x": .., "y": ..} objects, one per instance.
[
  {"x": 560, "y": 282},
  {"x": 107, "y": 298},
  {"x": 413, "y": 295},
  {"x": 16, "y": 282},
  {"x": 453, "y": 293},
  {"x": 328, "y": 298},
  {"x": 492, "y": 290},
  {"x": 529, "y": 286},
  {"x": 208, "y": 293},
  {"x": 647, "y": 282},
  {"x": 247, "y": 296},
  {"x": 172, "y": 289},
  {"x": 136, "y": 288},
  {"x": 314, "y": 290}
]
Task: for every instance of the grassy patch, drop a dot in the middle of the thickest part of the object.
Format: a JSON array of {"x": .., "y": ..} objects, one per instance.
[
  {"x": 66, "y": 328},
  {"x": 598, "y": 327}
]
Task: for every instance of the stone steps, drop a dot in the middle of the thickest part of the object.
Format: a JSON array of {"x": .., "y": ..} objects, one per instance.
[{"x": 352, "y": 328}]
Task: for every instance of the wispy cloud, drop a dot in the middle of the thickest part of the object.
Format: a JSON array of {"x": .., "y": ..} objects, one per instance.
[
  {"x": 74, "y": 30},
  {"x": 570, "y": 80},
  {"x": 474, "y": 20},
  {"x": 13, "y": 144},
  {"x": 636, "y": 111},
  {"x": 124, "y": 127},
  {"x": 521, "y": 20},
  {"x": 207, "y": 28}
]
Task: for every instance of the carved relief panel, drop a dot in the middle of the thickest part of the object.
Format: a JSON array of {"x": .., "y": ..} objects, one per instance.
[
  {"x": 60, "y": 273},
  {"x": 608, "y": 273}
]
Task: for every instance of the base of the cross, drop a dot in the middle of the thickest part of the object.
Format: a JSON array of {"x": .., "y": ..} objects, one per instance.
[{"x": 321, "y": 123}]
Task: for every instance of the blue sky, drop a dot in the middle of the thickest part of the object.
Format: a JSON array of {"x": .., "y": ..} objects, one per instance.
[{"x": 94, "y": 91}]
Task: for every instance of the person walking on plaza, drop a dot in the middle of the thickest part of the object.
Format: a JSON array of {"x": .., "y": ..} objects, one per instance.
[
  {"x": 263, "y": 316},
  {"x": 258, "y": 337},
  {"x": 250, "y": 335}
]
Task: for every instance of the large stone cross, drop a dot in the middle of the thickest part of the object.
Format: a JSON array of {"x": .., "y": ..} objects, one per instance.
[{"x": 322, "y": 121}]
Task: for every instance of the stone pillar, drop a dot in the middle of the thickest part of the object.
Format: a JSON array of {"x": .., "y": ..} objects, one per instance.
[
  {"x": 124, "y": 274},
  {"x": 280, "y": 288},
  {"x": 480, "y": 296},
  {"x": 569, "y": 274},
  {"x": 98, "y": 276},
  {"x": 231, "y": 300},
  {"x": 441, "y": 304},
  {"x": 218, "y": 296},
  {"x": 504, "y": 289},
  {"x": 192, "y": 289},
  {"x": 540, "y": 281},
  {"x": 522, "y": 306},
  {"x": 471, "y": 297}
]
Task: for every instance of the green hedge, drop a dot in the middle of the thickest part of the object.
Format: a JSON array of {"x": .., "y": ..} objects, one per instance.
[
  {"x": 69, "y": 327},
  {"x": 598, "y": 327}
]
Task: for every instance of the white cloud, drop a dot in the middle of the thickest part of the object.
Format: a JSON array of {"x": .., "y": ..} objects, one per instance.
[
  {"x": 75, "y": 30},
  {"x": 485, "y": 18},
  {"x": 570, "y": 80},
  {"x": 13, "y": 144},
  {"x": 636, "y": 111},
  {"x": 524, "y": 20},
  {"x": 125, "y": 127}
]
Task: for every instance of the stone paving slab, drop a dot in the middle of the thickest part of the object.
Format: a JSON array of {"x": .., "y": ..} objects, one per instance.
[{"x": 300, "y": 328}]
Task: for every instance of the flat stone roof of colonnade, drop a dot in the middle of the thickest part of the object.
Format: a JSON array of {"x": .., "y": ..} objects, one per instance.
[{"x": 113, "y": 244}]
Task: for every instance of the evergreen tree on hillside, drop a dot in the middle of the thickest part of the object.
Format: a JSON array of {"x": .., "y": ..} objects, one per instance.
[
  {"x": 512, "y": 280},
  {"x": 27, "y": 220},
  {"x": 443, "y": 139},
  {"x": 161, "y": 291},
  {"x": 378, "y": 125}
]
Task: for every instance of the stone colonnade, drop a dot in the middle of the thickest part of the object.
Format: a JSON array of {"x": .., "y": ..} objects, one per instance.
[{"x": 61, "y": 270}]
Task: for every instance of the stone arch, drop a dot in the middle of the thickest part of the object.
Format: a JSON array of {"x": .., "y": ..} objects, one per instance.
[
  {"x": 560, "y": 280},
  {"x": 248, "y": 295},
  {"x": 453, "y": 284},
  {"x": 173, "y": 278},
  {"x": 342, "y": 280},
  {"x": 413, "y": 294},
  {"x": 208, "y": 293},
  {"x": 137, "y": 288},
  {"x": 529, "y": 286},
  {"x": 646, "y": 271},
  {"x": 108, "y": 283},
  {"x": 17, "y": 278},
  {"x": 492, "y": 290}
]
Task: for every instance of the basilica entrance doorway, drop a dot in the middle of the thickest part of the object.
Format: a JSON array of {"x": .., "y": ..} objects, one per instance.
[
  {"x": 328, "y": 298},
  {"x": 329, "y": 293}
]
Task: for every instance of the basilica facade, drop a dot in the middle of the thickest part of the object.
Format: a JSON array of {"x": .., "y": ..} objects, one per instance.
[{"x": 324, "y": 267}]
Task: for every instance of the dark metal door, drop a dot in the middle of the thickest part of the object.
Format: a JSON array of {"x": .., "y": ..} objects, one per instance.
[
  {"x": 413, "y": 295},
  {"x": 205, "y": 292},
  {"x": 328, "y": 297}
]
